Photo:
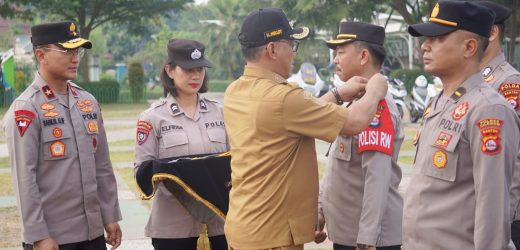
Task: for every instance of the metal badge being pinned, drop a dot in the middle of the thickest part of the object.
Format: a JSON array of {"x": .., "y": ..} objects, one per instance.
[{"x": 196, "y": 54}]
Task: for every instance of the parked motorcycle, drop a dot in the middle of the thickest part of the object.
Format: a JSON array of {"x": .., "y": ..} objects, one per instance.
[
  {"x": 398, "y": 90},
  {"x": 422, "y": 93},
  {"x": 308, "y": 79}
]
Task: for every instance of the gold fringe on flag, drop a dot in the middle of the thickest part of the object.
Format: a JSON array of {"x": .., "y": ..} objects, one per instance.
[{"x": 203, "y": 240}]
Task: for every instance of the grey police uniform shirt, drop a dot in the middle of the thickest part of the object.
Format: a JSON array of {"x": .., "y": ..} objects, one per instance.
[
  {"x": 172, "y": 133},
  {"x": 359, "y": 193},
  {"x": 458, "y": 196},
  {"x": 64, "y": 181},
  {"x": 505, "y": 79}
]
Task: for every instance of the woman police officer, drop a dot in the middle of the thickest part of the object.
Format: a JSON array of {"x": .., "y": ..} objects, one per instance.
[{"x": 183, "y": 123}]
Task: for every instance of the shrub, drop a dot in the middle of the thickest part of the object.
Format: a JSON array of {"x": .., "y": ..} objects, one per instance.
[
  {"x": 20, "y": 82},
  {"x": 136, "y": 81},
  {"x": 408, "y": 76},
  {"x": 218, "y": 85},
  {"x": 105, "y": 91}
]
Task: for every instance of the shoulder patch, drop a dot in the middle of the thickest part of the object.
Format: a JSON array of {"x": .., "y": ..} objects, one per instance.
[
  {"x": 143, "y": 130},
  {"x": 379, "y": 136},
  {"x": 490, "y": 135},
  {"x": 23, "y": 119},
  {"x": 511, "y": 92}
]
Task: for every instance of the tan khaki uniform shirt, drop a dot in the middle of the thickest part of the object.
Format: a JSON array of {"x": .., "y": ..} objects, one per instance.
[
  {"x": 359, "y": 194},
  {"x": 458, "y": 197},
  {"x": 172, "y": 133},
  {"x": 64, "y": 182},
  {"x": 505, "y": 79},
  {"x": 271, "y": 127}
]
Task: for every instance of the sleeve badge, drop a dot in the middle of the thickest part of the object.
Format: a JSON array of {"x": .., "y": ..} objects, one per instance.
[
  {"x": 490, "y": 135},
  {"x": 511, "y": 91},
  {"x": 143, "y": 130},
  {"x": 23, "y": 119}
]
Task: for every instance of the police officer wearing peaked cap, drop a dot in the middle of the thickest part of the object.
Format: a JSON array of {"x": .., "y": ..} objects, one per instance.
[
  {"x": 271, "y": 127},
  {"x": 505, "y": 79},
  {"x": 183, "y": 123},
  {"x": 65, "y": 185},
  {"x": 458, "y": 196},
  {"x": 370, "y": 214}
]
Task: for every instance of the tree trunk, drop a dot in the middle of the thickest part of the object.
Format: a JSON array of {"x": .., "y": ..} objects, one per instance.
[
  {"x": 83, "y": 66},
  {"x": 512, "y": 33},
  {"x": 230, "y": 71}
]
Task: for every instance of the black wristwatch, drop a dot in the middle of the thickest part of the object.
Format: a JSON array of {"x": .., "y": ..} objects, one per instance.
[
  {"x": 335, "y": 92},
  {"x": 363, "y": 246}
]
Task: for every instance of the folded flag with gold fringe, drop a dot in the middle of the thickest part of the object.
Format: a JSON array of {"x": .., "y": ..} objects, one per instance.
[{"x": 201, "y": 183}]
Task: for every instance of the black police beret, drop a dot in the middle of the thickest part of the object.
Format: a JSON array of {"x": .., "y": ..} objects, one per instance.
[
  {"x": 268, "y": 25},
  {"x": 502, "y": 13},
  {"x": 351, "y": 31},
  {"x": 63, "y": 33},
  {"x": 187, "y": 54},
  {"x": 448, "y": 16}
]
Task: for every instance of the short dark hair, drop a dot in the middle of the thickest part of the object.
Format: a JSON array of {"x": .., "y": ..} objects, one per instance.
[
  {"x": 378, "y": 52},
  {"x": 501, "y": 31},
  {"x": 483, "y": 43},
  {"x": 251, "y": 54},
  {"x": 169, "y": 84}
]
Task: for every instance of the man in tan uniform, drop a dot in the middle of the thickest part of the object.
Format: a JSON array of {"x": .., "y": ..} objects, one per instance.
[
  {"x": 505, "y": 79},
  {"x": 64, "y": 182},
  {"x": 369, "y": 214},
  {"x": 271, "y": 127},
  {"x": 458, "y": 197}
]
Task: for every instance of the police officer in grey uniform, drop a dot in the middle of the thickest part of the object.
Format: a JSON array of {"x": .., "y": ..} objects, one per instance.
[
  {"x": 181, "y": 124},
  {"x": 458, "y": 197},
  {"x": 370, "y": 213},
  {"x": 505, "y": 79},
  {"x": 64, "y": 181}
]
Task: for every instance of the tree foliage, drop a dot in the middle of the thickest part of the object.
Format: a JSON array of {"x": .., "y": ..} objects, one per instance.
[{"x": 132, "y": 15}]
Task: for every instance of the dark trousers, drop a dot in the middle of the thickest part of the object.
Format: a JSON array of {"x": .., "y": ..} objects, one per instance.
[
  {"x": 341, "y": 247},
  {"x": 515, "y": 233},
  {"x": 95, "y": 244},
  {"x": 217, "y": 243}
]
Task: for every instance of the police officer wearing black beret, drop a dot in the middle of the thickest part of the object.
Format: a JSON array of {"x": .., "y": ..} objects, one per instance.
[
  {"x": 65, "y": 185},
  {"x": 458, "y": 196}
]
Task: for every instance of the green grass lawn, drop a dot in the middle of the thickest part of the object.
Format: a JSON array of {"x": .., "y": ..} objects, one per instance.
[
  {"x": 4, "y": 162},
  {"x": 130, "y": 142},
  {"x": 119, "y": 111},
  {"x": 406, "y": 159},
  {"x": 6, "y": 185},
  {"x": 122, "y": 156},
  {"x": 10, "y": 229}
]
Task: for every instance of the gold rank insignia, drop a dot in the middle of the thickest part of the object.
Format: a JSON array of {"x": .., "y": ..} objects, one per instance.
[
  {"x": 435, "y": 10},
  {"x": 92, "y": 127},
  {"x": 440, "y": 159},
  {"x": 57, "y": 149},
  {"x": 341, "y": 147},
  {"x": 460, "y": 111},
  {"x": 57, "y": 132}
]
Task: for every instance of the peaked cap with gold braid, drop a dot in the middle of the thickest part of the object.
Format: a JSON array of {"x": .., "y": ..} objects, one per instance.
[
  {"x": 351, "y": 31},
  {"x": 448, "y": 16}
]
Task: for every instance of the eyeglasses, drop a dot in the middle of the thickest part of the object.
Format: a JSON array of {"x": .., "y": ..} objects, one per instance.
[
  {"x": 70, "y": 52},
  {"x": 294, "y": 45}
]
